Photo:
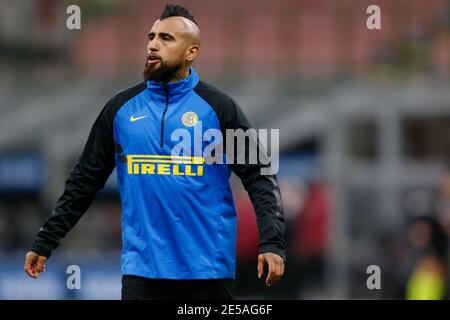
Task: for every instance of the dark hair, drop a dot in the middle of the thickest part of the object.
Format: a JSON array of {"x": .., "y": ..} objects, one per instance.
[
  {"x": 174, "y": 10},
  {"x": 438, "y": 242}
]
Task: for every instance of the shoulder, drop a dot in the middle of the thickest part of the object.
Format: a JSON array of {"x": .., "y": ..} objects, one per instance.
[
  {"x": 214, "y": 96},
  {"x": 121, "y": 97},
  {"x": 227, "y": 110},
  {"x": 111, "y": 108},
  {"x": 105, "y": 118},
  {"x": 207, "y": 89},
  {"x": 220, "y": 102}
]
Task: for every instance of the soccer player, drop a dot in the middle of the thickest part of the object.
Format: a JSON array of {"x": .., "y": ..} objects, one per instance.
[{"x": 178, "y": 215}]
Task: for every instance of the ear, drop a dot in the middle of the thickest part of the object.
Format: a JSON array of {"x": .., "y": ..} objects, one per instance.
[{"x": 192, "y": 52}]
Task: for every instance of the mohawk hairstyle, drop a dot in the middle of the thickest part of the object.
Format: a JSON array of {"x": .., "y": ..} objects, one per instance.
[{"x": 174, "y": 10}]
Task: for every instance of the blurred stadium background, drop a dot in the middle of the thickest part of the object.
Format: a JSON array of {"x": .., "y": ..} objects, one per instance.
[{"x": 364, "y": 119}]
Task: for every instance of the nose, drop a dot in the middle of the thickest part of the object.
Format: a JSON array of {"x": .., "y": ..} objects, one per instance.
[{"x": 152, "y": 46}]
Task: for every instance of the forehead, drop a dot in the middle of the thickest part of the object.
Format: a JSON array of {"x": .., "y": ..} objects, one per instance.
[{"x": 173, "y": 25}]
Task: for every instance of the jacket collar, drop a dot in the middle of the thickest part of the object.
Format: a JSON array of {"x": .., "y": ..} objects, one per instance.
[{"x": 176, "y": 90}]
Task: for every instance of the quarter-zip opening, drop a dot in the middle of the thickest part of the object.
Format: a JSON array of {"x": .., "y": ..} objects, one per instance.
[{"x": 166, "y": 90}]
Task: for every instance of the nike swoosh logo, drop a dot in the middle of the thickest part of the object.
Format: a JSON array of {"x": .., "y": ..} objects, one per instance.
[{"x": 137, "y": 118}]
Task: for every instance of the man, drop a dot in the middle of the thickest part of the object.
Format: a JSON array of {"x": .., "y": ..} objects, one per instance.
[{"x": 178, "y": 215}]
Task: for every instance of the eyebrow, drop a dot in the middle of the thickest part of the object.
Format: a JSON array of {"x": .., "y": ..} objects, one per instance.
[{"x": 162, "y": 34}]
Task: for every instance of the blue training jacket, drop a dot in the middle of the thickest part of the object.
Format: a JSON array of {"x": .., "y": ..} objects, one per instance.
[{"x": 178, "y": 215}]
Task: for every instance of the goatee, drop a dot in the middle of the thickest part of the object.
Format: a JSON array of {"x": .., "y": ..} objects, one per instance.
[{"x": 162, "y": 74}]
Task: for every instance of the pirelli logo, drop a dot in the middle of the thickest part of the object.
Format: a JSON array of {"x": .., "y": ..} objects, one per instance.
[{"x": 165, "y": 165}]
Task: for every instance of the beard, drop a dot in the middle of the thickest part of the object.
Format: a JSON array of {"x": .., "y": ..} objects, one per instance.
[{"x": 164, "y": 73}]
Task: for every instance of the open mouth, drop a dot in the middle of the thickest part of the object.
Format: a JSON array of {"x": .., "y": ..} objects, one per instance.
[{"x": 153, "y": 59}]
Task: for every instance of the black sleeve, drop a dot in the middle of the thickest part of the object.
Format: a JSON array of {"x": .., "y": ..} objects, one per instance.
[
  {"x": 86, "y": 178},
  {"x": 263, "y": 190}
]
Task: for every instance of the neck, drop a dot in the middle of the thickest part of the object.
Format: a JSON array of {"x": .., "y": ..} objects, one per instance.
[{"x": 183, "y": 73}]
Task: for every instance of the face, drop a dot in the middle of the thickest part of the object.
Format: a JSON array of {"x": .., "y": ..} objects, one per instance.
[
  {"x": 420, "y": 235},
  {"x": 168, "y": 50}
]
